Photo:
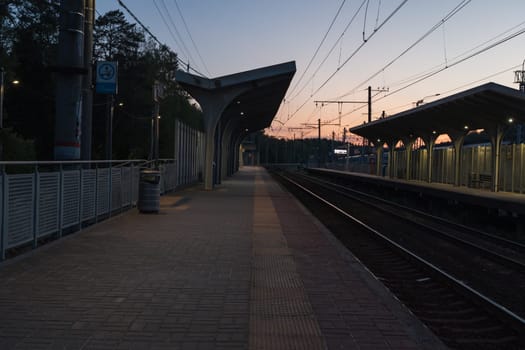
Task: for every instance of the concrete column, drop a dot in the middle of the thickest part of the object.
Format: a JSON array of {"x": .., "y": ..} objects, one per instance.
[
  {"x": 87, "y": 83},
  {"x": 430, "y": 142},
  {"x": 379, "y": 158},
  {"x": 496, "y": 134},
  {"x": 391, "y": 157},
  {"x": 457, "y": 139},
  {"x": 237, "y": 149},
  {"x": 215, "y": 95},
  {"x": 70, "y": 69},
  {"x": 226, "y": 148},
  {"x": 176, "y": 150},
  {"x": 213, "y": 106},
  {"x": 409, "y": 142},
  {"x": 210, "y": 121}
]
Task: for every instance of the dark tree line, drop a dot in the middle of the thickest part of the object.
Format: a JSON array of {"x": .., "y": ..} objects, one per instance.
[
  {"x": 304, "y": 151},
  {"x": 28, "y": 48}
]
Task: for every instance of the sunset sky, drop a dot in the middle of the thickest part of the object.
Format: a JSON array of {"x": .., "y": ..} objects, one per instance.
[{"x": 238, "y": 35}]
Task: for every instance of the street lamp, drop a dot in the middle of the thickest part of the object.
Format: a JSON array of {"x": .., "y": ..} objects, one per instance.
[{"x": 422, "y": 100}]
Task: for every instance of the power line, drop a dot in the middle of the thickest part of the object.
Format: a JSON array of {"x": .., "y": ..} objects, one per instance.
[
  {"x": 331, "y": 50},
  {"x": 157, "y": 40},
  {"x": 464, "y": 85},
  {"x": 191, "y": 38},
  {"x": 167, "y": 26},
  {"x": 352, "y": 55},
  {"x": 424, "y": 73},
  {"x": 188, "y": 54},
  {"x": 318, "y": 47},
  {"x": 441, "y": 22},
  {"x": 442, "y": 93},
  {"x": 476, "y": 53}
]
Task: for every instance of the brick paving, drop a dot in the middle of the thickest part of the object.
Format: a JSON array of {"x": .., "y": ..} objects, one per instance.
[{"x": 240, "y": 267}]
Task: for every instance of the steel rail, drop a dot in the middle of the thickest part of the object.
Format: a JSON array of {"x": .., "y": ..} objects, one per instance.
[
  {"x": 486, "y": 252},
  {"x": 517, "y": 321},
  {"x": 488, "y": 236}
]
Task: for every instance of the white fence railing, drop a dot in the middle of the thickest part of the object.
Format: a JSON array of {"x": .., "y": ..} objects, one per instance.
[{"x": 62, "y": 197}]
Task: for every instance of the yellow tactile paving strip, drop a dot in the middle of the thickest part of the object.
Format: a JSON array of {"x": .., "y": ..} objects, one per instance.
[{"x": 281, "y": 317}]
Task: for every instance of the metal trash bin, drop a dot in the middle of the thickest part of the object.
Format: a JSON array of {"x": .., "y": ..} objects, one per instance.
[{"x": 149, "y": 191}]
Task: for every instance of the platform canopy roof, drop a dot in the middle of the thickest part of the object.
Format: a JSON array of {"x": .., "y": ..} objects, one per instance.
[
  {"x": 260, "y": 92},
  {"x": 482, "y": 107}
]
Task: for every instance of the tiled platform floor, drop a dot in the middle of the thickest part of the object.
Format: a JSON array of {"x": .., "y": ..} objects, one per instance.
[{"x": 240, "y": 267}]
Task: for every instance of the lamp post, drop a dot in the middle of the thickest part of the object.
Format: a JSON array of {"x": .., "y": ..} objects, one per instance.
[
  {"x": 2, "y": 73},
  {"x": 422, "y": 100}
]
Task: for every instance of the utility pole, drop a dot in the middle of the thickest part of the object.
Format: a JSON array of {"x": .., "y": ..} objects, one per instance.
[
  {"x": 369, "y": 104},
  {"x": 87, "y": 82},
  {"x": 339, "y": 105},
  {"x": 158, "y": 93},
  {"x": 318, "y": 125},
  {"x": 303, "y": 158},
  {"x": 110, "y": 109},
  {"x": 319, "y": 142},
  {"x": 2, "y": 74},
  {"x": 70, "y": 70}
]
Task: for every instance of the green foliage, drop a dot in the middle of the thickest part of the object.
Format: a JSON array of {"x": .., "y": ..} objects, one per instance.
[
  {"x": 15, "y": 147},
  {"x": 275, "y": 150},
  {"x": 141, "y": 64},
  {"x": 28, "y": 48},
  {"x": 116, "y": 39},
  {"x": 28, "y": 33}
]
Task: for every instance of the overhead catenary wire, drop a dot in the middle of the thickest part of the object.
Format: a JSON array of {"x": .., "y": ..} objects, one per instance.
[
  {"x": 441, "y": 22},
  {"x": 420, "y": 77},
  {"x": 351, "y": 56},
  {"x": 191, "y": 37},
  {"x": 471, "y": 53},
  {"x": 431, "y": 74},
  {"x": 377, "y": 16},
  {"x": 168, "y": 27},
  {"x": 330, "y": 51},
  {"x": 476, "y": 53},
  {"x": 364, "y": 21},
  {"x": 318, "y": 47},
  {"x": 156, "y": 39},
  {"x": 462, "y": 86},
  {"x": 174, "y": 26},
  {"x": 421, "y": 74},
  {"x": 339, "y": 39}
]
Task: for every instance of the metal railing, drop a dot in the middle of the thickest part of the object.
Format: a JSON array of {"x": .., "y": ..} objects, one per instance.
[{"x": 57, "y": 198}]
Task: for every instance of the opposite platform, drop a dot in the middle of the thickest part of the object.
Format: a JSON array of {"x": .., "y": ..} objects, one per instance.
[{"x": 241, "y": 267}]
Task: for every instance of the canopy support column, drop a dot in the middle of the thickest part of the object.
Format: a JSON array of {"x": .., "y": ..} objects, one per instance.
[
  {"x": 391, "y": 157},
  {"x": 496, "y": 137},
  {"x": 457, "y": 139},
  {"x": 430, "y": 142},
  {"x": 379, "y": 156}
]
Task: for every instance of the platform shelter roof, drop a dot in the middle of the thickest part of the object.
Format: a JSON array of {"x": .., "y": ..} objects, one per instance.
[
  {"x": 482, "y": 107},
  {"x": 260, "y": 93}
]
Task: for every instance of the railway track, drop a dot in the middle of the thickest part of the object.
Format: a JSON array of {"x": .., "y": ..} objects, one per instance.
[
  {"x": 454, "y": 286},
  {"x": 507, "y": 252}
]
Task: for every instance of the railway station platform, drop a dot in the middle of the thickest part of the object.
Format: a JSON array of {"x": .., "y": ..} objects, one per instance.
[
  {"x": 242, "y": 267},
  {"x": 511, "y": 202}
]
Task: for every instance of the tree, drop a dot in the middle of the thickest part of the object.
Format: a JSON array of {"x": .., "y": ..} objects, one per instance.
[
  {"x": 141, "y": 63},
  {"x": 116, "y": 39},
  {"x": 29, "y": 39}
]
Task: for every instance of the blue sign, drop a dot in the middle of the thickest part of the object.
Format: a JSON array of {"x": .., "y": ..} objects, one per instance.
[{"x": 106, "y": 80}]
